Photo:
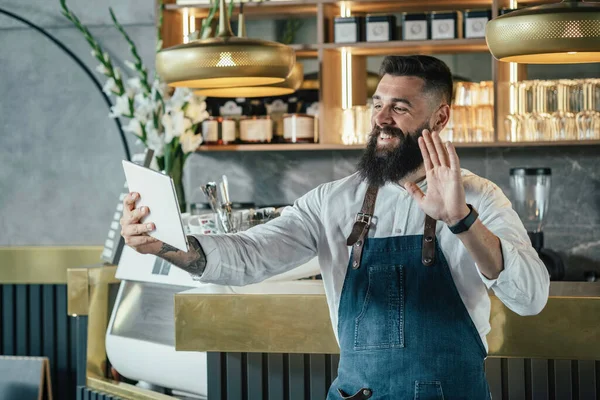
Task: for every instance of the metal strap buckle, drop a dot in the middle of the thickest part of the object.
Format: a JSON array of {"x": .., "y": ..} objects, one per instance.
[{"x": 366, "y": 218}]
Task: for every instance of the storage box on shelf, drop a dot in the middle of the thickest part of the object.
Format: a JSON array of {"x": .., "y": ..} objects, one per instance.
[{"x": 350, "y": 59}]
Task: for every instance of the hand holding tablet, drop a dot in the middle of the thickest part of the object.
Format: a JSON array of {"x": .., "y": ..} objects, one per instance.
[{"x": 155, "y": 204}]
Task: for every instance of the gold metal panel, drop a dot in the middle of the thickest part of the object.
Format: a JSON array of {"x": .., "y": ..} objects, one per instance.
[
  {"x": 124, "y": 390},
  {"x": 253, "y": 323},
  {"x": 44, "y": 265},
  {"x": 104, "y": 275},
  {"x": 568, "y": 327},
  {"x": 77, "y": 291},
  {"x": 98, "y": 315}
]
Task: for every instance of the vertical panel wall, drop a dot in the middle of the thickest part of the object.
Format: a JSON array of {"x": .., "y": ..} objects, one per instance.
[{"x": 34, "y": 322}]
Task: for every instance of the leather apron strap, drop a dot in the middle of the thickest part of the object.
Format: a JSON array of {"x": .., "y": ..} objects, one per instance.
[
  {"x": 428, "y": 247},
  {"x": 362, "y": 223}
]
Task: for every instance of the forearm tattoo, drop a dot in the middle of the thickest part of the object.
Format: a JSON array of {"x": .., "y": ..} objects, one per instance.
[{"x": 193, "y": 262}]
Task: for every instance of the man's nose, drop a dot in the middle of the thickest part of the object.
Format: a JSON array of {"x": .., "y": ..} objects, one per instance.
[{"x": 383, "y": 117}]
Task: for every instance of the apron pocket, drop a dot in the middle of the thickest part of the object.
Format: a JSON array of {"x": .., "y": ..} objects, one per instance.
[
  {"x": 380, "y": 324},
  {"x": 362, "y": 394},
  {"x": 428, "y": 390}
]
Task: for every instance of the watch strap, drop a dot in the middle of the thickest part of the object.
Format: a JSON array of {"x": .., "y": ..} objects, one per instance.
[{"x": 464, "y": 224}]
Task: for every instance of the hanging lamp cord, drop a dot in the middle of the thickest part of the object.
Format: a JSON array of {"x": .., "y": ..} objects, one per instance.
[{"x": 77, "y": 60}]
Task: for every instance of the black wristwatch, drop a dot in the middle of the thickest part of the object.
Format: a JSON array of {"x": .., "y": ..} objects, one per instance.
[{"x": 464, "y": 224}]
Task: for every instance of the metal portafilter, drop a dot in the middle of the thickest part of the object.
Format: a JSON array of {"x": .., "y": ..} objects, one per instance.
[{"x": 211, "y": 192}]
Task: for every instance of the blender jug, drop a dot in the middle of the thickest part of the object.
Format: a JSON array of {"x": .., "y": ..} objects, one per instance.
[{"x": 531, "y": 197}]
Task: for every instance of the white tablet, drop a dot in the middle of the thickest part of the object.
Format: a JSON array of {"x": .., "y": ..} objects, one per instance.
[{"x": 157, "y": 192}]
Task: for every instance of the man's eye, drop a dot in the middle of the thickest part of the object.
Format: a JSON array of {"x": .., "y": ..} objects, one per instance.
[
  {"x": 400, "y": 109},
  {"x": 377, "y": 106}
]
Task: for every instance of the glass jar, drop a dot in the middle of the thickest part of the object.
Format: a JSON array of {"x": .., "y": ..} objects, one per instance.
[
  {"x": 219, "y": 130},
  {"x": 256, "y": 129},
  {"x": 299, "y": 128}
]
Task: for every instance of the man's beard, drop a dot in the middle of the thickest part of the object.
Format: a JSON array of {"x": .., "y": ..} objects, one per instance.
[{"x": 390, "y": 164}]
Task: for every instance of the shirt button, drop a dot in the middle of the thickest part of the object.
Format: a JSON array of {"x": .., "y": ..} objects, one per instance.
[{"x": 398, "y": 230}]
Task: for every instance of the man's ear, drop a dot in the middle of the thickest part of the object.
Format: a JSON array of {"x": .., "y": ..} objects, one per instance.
[{"x": 440, "y": 118}]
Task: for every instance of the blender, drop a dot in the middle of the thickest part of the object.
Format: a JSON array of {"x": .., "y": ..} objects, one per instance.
[{"x": 531, "y": 197}]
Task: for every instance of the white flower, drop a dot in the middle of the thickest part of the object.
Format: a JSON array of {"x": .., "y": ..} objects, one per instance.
[
  {"x": 110, "y": 87},
  {"x": 176, "y": 124},
  {"x": 196, "y": 110},
  {"x": 134, "y": 127},
  {"x": 135, "y": 83},
  {"x": 95, "y": 54},
  {"x": 130, "y": 65},
  {"x": 133, "y": 86},
  {"x": 102, "y": 69},
  {"x": 154, "y": 140},
  {"x": 120, "y": 108},
  {"x": 106, "y": 57},
  {"x": 117, "y": 72},
  {"x": 179, "y": 98},
  {"x": 144, "y": 107},
  {"x": 190, "y": 142},
  {"x": 159, "y": 87}
]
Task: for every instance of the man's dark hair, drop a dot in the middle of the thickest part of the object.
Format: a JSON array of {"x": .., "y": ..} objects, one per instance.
[{"x": 435, "y": 73}]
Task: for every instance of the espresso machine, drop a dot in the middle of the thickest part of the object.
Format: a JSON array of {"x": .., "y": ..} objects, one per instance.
[{"x": 531, "y": 198}]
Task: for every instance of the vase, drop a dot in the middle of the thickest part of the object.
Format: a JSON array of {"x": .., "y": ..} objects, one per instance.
[{"x": 176, "y": 173}]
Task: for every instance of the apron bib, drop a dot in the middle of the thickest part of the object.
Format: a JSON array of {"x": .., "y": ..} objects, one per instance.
[{"x": 403, "y": 329}]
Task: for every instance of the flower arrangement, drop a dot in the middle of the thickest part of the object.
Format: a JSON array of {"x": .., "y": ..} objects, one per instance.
[{"x": 164, "y": 120}]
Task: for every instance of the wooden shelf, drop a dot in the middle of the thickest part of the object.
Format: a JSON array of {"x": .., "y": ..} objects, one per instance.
[
  {"x": 269, "y": 8},
  {"x": 333, "y": 146},
  {"x": 410, "y": 47},
  {"x": 399, "y": 6},
  {"x": 305, "y": 50},
  {"x": 279, "y": 147}
]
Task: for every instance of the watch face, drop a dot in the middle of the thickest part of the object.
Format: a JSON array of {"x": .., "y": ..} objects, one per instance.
[
  {"x": 445, "y": 27},
  {"x": 478, "y": 26}
]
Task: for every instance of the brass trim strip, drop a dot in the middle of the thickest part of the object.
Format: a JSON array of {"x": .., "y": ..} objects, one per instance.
[
  {"x": 567, "y": 328},
  {"x": 253, "y": 323},
  {"x": 43, "y": 264},
  {"x": 87, "y": 290},
  {"x": 124, "y": 390},
  {"x": 80, "y": 284},
  {"x": 77, "y": 291}
]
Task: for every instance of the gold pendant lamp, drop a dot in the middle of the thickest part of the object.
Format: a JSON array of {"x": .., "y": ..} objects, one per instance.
[
  {"x": 291, "y": 83},
  {"x": 225, "y": 61},
  {"x": 561, "y": 33}
]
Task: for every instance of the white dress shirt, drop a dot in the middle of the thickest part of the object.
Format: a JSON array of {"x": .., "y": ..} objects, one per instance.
[{"x": 319, "y": 223}]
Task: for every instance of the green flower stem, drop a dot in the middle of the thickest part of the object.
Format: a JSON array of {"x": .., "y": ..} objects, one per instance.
[
  {"x": 99, "y": 53},
  {"x": 143, "y": 72}
]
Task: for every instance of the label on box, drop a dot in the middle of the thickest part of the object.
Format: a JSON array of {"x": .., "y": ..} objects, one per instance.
[
  {"x": 210, "y": 130},
  {"x": 443, "y": 29},
  {"x": 345, "y": 32},
  {"x": 378, "y": 31},
  {"x": 415, "y": 30},
  {"x": 259, "y": 130},
  {"x": 475, "y": 27},
  {"x": 228, "y": 130}
]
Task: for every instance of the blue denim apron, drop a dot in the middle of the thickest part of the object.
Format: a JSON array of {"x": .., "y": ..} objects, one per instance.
[{"x": 403, "y": 329}]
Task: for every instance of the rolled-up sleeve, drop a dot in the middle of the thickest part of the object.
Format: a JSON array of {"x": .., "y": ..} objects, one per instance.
[
  {"x": 266, "y": 250},
  {"x": 524, "y": 283}
]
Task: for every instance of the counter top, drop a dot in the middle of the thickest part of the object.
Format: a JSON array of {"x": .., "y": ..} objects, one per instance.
[
  {"x": 293, "y": 317},
  {"x": 44, "y": 264}
]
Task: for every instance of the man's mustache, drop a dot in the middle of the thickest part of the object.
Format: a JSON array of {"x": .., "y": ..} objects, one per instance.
[{"x": 389, "y": 130}]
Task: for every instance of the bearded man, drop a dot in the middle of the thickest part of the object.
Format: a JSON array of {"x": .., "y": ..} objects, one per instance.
[{"x": 408, "y": 247}]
